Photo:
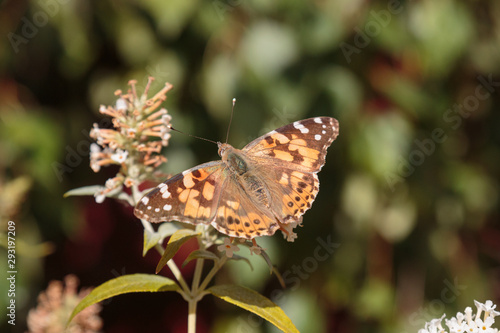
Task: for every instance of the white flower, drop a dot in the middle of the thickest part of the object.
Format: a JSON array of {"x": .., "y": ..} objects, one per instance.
[
  {"x": 113, "y": 183},
  {"x": 165, "y": 136},
  {"x": 287, "y": 230},
  {"x": 484, "y": 326},
  {"x": 456, "y": 325},
  {"x": 467, "y": 322},
  {"x": 255, "y": 249},
  {"x": 120, "y": 156},
  {"x": 121, "y": 104},
  {"x": 130, "y": 132},
  {"x": 95, "y": 149},
  {"x": 288, "y": 233},
  {"x": 96, "y": 167},
  {"x": 166, "y": 118},
  {"x": 129, "y": 182},
  {"x": 460, "y": 317},
  {"x": 291, "y": 237},
  {"x": 488, "y": 308},
  {"x": 468, "y": 314},
  {"x": 228, "y": 247},
  {"x": 434, "y": 326},
  {"x": 99, "y": 196}
]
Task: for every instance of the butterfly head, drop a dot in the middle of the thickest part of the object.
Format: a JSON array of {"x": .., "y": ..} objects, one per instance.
[{"x": 224, "y": 149}]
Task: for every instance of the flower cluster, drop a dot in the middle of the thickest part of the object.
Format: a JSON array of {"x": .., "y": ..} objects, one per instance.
[
  {"x": 140, "y": 131},
  {"x": 467, "y": 321},
  {"x": 55, "y": 306}
]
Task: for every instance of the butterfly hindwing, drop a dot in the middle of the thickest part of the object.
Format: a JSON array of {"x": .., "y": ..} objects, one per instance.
[
  {"x": 190, "y": 196},
  {"x": 238, "y": 216},
  {"x": 297, "y": 191}
]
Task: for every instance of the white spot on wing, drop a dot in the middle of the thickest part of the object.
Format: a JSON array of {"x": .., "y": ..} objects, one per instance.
[
  {"x": 163, "y": 188},
  {"x": 157, "y": 210},
  {"x": 167, "y": 207},
  {"x": 149, "y": 207},
  {"x": 145, "y": 200},
  {"x": 165, "y": 195},
  {"x": 323, "y": 132},
  {"x": 300, "y": 127},
  {"x": 318, "y": 120},
  {"x": 317, "y": 137}
]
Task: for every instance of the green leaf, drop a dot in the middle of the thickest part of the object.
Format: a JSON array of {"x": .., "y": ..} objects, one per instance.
[
  {"x": 152, "y": 238},
  {"x": 86, "y": 190},
  {"x": 125, "y": 284},
  {"x": 174, "y": 244},
  {"x": 116, "y": 193},
  {"x": 254, "y": 302},
  {"x": 201, "y": 254},
  {"x": 167, "y": 229}
]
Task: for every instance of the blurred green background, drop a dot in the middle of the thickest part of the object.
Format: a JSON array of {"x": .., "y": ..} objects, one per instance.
[{"x": 409, "y": 193}]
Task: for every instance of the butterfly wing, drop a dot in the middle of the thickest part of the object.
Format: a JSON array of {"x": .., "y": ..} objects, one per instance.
[
  {"x": 301, "y": 145},
  {"x": 238, "y": 216},
  {"x": 292, "y": 156},
  {"x": 190, "y": 196}
]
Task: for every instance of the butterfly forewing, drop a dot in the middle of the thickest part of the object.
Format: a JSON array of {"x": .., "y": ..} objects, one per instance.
[
  {"x": 301, "y": 145},
  {"x": 190, "y": 196},
  {"x": 297, "y": 152}
]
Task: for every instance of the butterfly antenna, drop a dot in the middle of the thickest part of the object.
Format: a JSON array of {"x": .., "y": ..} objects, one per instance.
[
  {"x": 230, "y": 120},
  {"x": 193, "y": 136}
]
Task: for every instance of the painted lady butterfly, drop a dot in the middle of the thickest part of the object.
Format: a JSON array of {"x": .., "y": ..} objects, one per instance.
[{"x": 268, "y": 185}]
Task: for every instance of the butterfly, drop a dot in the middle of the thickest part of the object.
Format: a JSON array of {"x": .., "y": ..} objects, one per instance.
[{"x": 266, "y": 186}]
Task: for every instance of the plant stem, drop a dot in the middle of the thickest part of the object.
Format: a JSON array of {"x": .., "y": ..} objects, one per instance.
[
  {"x": 136, "y": 195},
  {"x": 175, "y": 270},
  {"x": 212, "y": 273},
  {"x": 196, "y": 293},
  {"x": 192, "y": 315},
  {"x": 197, "y": 276},
  {"x": 178, "y": 275},
  {"x": 147, "y": 225}
]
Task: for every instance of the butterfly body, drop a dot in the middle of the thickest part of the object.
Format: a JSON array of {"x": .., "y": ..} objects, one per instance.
[
  {"x": 265, "y": 186},
  {"x": 242, "y": 171}
]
